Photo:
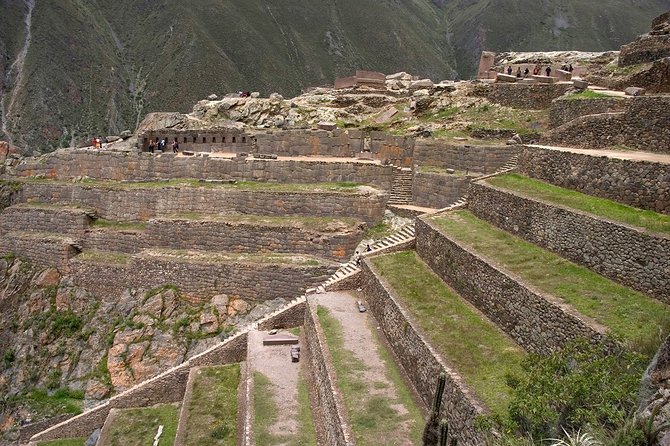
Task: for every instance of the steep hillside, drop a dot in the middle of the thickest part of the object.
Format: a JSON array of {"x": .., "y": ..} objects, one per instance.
[{"x": 97, "y": 67}]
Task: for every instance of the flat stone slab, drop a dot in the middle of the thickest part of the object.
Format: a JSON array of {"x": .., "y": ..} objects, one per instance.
[
  {"x": 634, "y": 91},
  {"x": 326, "y": 125},
  {"x": 500, "y": 77},
  {"x": 280, "y": 339},
  {"x": 545, "y": 79},
  {"x": 578, "y": 83}
]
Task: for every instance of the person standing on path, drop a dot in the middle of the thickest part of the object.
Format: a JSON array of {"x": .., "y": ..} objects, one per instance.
[{"x": 548, "y": 71}]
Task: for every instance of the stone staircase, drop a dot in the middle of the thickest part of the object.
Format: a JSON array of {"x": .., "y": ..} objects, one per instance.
[{"x": 401, "y": 188}]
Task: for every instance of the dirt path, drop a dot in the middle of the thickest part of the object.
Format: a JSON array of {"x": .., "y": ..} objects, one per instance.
[
  {"x": 275, "y": 363},
  {"x": 618, "y": 154},
  {"x": 359, "y": 339}
]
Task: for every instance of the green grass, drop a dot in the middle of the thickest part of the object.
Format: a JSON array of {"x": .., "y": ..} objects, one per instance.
[
  {"x": 341, "y": 187},
  {"x": 379, "y": 231},
  {"x": 481, "y": 353},
  {"x": 64, "y": 442},
  {"x": 638, "y": 320},
  {"x": 44, "y": 404},
  {"x": 212, "y": 410},
  {"x": 266, "y": 410},
  {"x": 119, "y": 225},
  {"x": 297, "y": 221},
  {"x": 138, "y": 427},
  {"x": 372, "y": 414},
  {"x": 588, "y": 94},
  {"x": 609, "y": 209},
  {"x": 180, "y": 255}
]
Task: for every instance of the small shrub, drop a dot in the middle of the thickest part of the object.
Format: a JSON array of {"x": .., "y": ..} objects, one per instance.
[
  {"x": 221, "y": 432},
  {"x": 9, "y": 357}
]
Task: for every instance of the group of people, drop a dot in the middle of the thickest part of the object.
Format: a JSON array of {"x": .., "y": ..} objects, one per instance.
[
  {"x": 97, "y": 142},
  {"x": 537, "y": 69},
  {"x": 161, "y": 144}
]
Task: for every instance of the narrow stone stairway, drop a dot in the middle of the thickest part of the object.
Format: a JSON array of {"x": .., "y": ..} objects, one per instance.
[{"x": 401, "y": 189}]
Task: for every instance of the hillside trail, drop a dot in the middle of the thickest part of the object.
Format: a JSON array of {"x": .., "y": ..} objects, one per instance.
[
  {"x": 631, "y": 155},
  {"x": 361, "y": 341},
  {"x": 17, "y": 69}
]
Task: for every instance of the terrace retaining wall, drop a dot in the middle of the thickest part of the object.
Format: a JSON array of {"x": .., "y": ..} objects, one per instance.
[
  {"x": 633, "y": 257},
  {"x": 641, "y": 184},
  {"x": 537, "y": 322}
]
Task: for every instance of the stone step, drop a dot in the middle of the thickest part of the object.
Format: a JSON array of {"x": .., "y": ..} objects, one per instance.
[{"x": 210, "y": 405}]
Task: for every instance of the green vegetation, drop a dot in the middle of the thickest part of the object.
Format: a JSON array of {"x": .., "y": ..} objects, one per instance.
[
  {"x": 379, "y": 231},
  {"x": 372, "y": 414},
  {"x": 636, "y": 319},
  {"x": 582, "y": 388},
  {"x": 119, "y": 225},
  {"x": 104, "y": 257},
  {"x": 602, "y": 207},
  {"x": 43, "y": 404},
  {"x": 297, "y": 221},
  {"x": 479, "y": 351},
  {"x": 588, "y": 94},
  {"x": 212, "y": 256},
  {"x": 341, "y": 187},
  {"x": 266, "y": 410},
  {"x": 440, "y": 171},
  {"x": 138, "y": 427},
  {"x": 211, "y": 418},
  {"x": 64, "y": 442}
]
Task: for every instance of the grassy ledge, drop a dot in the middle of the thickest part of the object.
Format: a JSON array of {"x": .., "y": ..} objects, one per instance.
[
  {"x": 138, "y": 427},
  {"x": 64, "y": 442},
  {"x": 648, "y": 220},
  {"x": 373, "y": 415},
  {"x": 265, "y": 415},
  {"x": 119, "y": 225},
  {"x": 212, "y": 411},
  {"x": 589, "y": 94},
  {"x": 638, "y": 320},
  {"x": 341, "y": 187},
  {"x": 481, "y": 353}
]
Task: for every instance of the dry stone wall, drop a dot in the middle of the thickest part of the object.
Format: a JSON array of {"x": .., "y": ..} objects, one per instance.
[
  {"x": 45, "y": 250},
  {"x": 565, "y": 110},
  {"x": 56, "y": 219},
  {"x": 128, "y": 241},
  {"x": 534, "y": 97},
  {"x": 645, "y": 125},
  {"x": 242, "y": 237},
  {"x": 141, "y": 204},
  {"x": 645, "y": 49},
  {"x": 420, "y": 361},
  {"x": 330, "y": 413},
  {"x": 480, "y": 159},
  {"x": 107, "y": 165},
  {"x": 201, "y": 278},
  {"x": 168, "y": 387},
  {"x": 641, "y": 184},
  {"x": 627, "y": 255},
  {"x": 537, "y": 322},
  {"x": 438, "y": 190}
]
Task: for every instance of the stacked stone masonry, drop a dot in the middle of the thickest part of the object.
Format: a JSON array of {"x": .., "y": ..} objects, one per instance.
[
  {"x": 141, "y": 204},
  {"x": 645, "y": 125},
  {"x": 202, "y": 277},
  {"x": 169, "y": 387},
  {"x": 68, "y": 164},
  {"x": 421, "y": 363},
  {"x": 537, "y": 322},
  {"x": 644, "y": 49},
  {"x": 56, "y": 219},
  {"x": 438, "y": 190},
  {"x": 480, "y": 159},
  {"x": 330, "y": 414},
  {"x": 640, "y": 184},
  {"x": 337, "y": 143},
  {"x": 534, "y": 97},
  {"x": 565, "y": 110},
  {"x": 631, "y": 256},
  {"x": 43, "y": 249}
]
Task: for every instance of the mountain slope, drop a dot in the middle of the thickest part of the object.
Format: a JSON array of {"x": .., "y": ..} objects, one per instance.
[{"x": 96, "y": 67}]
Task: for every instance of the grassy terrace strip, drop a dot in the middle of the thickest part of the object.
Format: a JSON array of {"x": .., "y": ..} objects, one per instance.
[
  {"x": 480, "y": 352},
  {"x": 138, "y": 427},
  {"x": 373, "y": 415},
  {"x": 648, "y": 220},
  {"x": 64, "y": 442},
  {"x": 265, "y": 415},
  {"x": 212, "y": 411},
  {"x": 342, "y": 187},
  {"x": 589, "y": 94},
  {"x": 180, "y": 255},
  {"x": 632, "y": 317},
  {"x": 296, "y": 221},
  {"x": 119, "y": 225},
  {"x": 93, "y": 256}
]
